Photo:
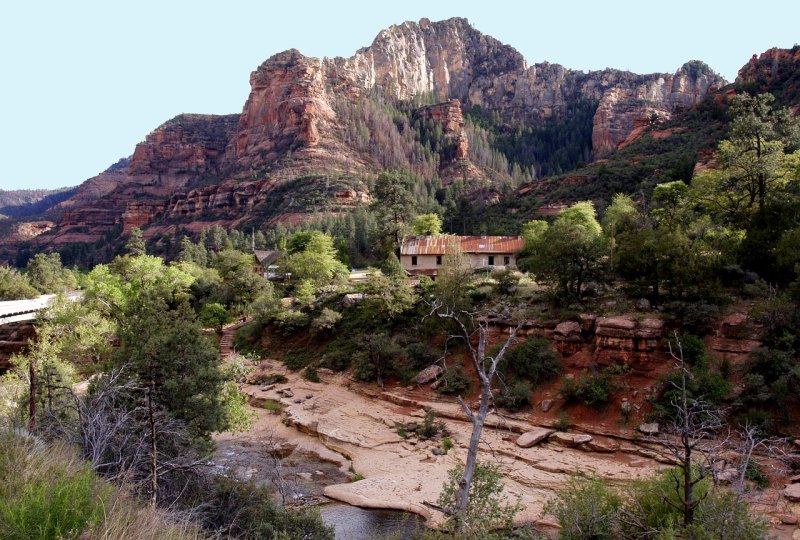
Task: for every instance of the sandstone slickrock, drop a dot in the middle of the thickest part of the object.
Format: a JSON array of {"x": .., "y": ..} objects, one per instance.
[
  {"x": 534, "y": 437},
  {"x": 569, "y": 439}
]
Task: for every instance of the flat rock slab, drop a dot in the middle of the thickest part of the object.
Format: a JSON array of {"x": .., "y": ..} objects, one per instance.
[
  {"x": 619, "y": 323},
  {"x": 649, "y": 428},
  {"x": 534, "y": 437},
  {"x": 569, "y": 439},
  {"x": 792, "y": 492}
]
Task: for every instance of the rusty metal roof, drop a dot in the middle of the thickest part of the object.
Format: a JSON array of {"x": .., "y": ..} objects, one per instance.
[
  {"x": 265, "y": 258},
  {"x": 440, "y": 245}
]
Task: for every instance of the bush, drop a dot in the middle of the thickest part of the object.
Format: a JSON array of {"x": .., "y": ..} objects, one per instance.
[
  {"x": 488, "y": 511},
  {"x": 245, "y": 510},
  {"x": 562, "y": 423},
  {"x": 694, "y": 349},
  {"x": 420, "y": 355},
  {"x": 594, "y": 389},
  {"x": 454, "y": 382},
  {"x": 326, "y": 320},
  {"x": 290, "y": 321},
  {"x": 533, "y": 359},
  {"x": 515, "y": 397},
  {"x": 430, "y": 427},
  {"x": 507, "y": 281},
  {"x": 310, "y": 374},
  {"x": 585, "y": 508},
  {"x": 696, "y": 317}
]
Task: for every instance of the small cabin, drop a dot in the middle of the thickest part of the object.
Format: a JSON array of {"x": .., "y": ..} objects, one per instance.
[
  {"x": 424, "y": 255},
  {"x": 265, "y": 263}
]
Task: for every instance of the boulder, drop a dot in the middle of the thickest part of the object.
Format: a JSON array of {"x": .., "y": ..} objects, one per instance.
[
  {"x": 792, "y": 492},
  {"x": 650, "y": 428},
  {"x": 569, "y": 439},
  {"x": 534, "y": 437},
  {"x": 787, "y": 519},
  {"x": 728, "y": 475},
  {"x": 568, "y": 328},
  {"x": 620, "y": 323},
  {"x": 546, "y": 404},
  {"x": 428, "y": 374},
  {"x": 602, "y": 444},
  {"x": 643, "y": 304}
]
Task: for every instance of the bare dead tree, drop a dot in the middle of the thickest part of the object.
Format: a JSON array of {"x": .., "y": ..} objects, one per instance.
[
  {"x": 749, "y": 442},
  {"x": 127, "y": 438},
  {"x": 486, "y": 369},
  {"x": 692, "y": 440}
]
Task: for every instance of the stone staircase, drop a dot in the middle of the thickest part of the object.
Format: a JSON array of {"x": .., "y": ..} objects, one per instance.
[{"x": 226, "y": 346}]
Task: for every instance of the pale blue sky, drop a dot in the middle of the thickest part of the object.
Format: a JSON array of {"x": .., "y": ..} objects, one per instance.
[{"x": 84, "y": 81}]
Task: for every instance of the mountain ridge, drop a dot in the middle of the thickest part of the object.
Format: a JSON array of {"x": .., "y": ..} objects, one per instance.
[{"x": 305, "y": 117}]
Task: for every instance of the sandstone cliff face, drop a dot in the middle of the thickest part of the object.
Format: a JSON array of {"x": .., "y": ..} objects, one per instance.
[
  {"x": 630, "y": 106},
  {"x": 187, "y": 148},
  {"x": 289, "y": 124},
  {"x": 776, "y": 71},
  {"x": 288, "y": 108}
]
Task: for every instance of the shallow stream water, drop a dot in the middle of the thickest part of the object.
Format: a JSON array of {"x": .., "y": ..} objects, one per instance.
[{"x": 354, "y": 523}]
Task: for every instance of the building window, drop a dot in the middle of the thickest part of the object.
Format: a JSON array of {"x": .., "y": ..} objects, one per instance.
[
  {"x": 438, "y": 260},
  {"x": 506, "y": 260},
  {"x": 491, "y": 260},
  {"x": 413, "y": 260}
]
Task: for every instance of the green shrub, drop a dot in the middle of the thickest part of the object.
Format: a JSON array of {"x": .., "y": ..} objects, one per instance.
[
  {"x": 310, "y": 374},
  {"x": 593, "y": 389},
  {"x": 326, "y": 320},
  {"x": 585, "y": 508},
  {"x": 694, "y": 349},
  {"x": 515, "y": 397},
  {"x": 430, "y": 427},
  {"x": 563, "y": 422},
  {"x": 246, "y": 510},
  {"x": 420, "y": 355},
  {"x": 755, "y": 474},
  {"x": 447, "y": 444},
  {"x": 489, "y": 513},
  {"x": 214, "y": 315},
  {"x": 533, "y": 359},
  {"x": 454, "y": 382},
  {"x": 290, "y": 321}
]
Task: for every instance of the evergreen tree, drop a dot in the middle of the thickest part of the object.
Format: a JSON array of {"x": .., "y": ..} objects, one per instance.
[{"x": 135, "y": 245}]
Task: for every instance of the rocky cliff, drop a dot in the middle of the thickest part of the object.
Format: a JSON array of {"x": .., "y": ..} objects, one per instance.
[
  {"x": 776, "y": 71},
  {"x": 327, "y": 118}
]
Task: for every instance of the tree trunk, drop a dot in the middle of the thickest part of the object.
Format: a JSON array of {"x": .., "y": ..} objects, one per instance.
[
  {"x": 32, "y": 397},
  {"x": 688, "y": 487},
  {"x": 478, "y": 419},
  {"x": 153, "y": 450}
]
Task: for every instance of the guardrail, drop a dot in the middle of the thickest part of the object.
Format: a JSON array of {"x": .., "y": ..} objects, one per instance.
[{"x": 28, "y": 310}]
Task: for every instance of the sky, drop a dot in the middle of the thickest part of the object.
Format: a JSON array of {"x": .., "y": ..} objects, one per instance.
[{"x": 84, "y": 81}]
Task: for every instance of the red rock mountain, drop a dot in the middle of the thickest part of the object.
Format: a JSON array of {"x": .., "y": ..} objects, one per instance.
[{"x": 313, "y": 129}]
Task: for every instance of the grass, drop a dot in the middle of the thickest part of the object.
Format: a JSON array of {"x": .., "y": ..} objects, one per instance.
[
  {"x": 47, "y": 492},
  {"x": 273, "y": 406}
]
